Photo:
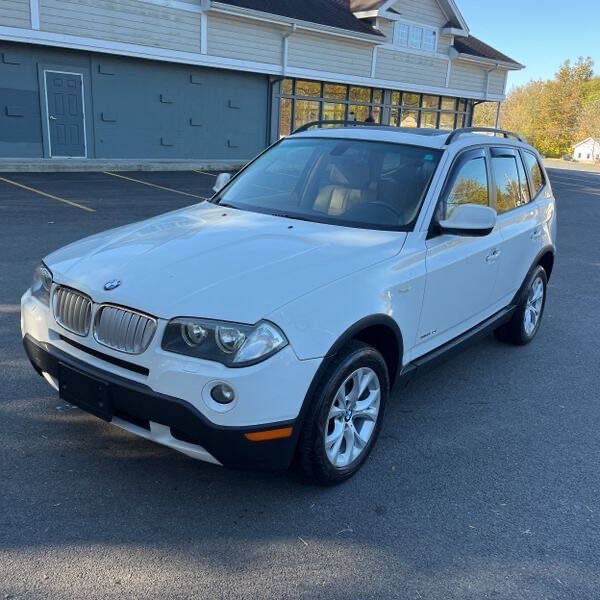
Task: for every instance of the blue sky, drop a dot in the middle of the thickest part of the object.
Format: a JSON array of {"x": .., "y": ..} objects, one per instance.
[{"x": 540, "y": 34}]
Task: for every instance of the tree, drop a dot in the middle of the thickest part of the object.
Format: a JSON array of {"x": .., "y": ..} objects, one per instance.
[{"x": 553, "y": 115}]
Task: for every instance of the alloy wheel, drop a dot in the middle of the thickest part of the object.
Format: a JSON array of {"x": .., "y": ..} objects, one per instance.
[
  {"x": 533, "y": 307},
  {"x": 352, "y": 417}
]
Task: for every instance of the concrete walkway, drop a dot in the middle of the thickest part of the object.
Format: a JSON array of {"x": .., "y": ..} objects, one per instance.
[{"x": 55, "y": 165}]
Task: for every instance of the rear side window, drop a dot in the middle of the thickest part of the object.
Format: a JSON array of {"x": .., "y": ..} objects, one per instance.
[
  {"x": 535, "y": 173},
  {"x": 470, "y": 186},
  {"x": 508, "y": 186}
]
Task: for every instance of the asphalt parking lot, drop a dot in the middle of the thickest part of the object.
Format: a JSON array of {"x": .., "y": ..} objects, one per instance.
[{"x": 484, "y": 484}]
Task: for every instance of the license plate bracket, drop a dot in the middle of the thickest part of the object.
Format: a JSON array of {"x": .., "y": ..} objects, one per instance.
[{"x": 89, "y": 393}]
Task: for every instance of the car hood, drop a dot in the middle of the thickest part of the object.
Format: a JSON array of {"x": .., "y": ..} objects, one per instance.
[{"x": 217, "y": 262}]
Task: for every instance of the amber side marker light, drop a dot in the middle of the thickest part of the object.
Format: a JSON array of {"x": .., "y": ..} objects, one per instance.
[{"x": 270, "y": 434}]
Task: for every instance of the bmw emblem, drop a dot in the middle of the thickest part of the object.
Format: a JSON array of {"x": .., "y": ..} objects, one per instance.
[{"x": 112, "y": 284}]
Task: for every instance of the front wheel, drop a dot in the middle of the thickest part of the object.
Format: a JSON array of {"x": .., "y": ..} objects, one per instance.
[
  {"x": 527, "y": 318},
  {"x": 345, "y": 417}
]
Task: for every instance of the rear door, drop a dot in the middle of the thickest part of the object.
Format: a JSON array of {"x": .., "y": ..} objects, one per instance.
[
  {"x": 517, "y": 221},
  {"x": 461, "y": 270}
]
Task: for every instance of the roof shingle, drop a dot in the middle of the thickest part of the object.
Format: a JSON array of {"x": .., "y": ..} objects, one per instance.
[
  {"x": 475, "y": 47},
  {"x": 332, "y": 13}
]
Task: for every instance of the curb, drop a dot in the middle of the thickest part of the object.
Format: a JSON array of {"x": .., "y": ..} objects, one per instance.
[{"x": 48, "y": 165}]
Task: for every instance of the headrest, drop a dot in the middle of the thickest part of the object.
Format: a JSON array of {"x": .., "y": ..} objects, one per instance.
[{"x": 349, "y": 172}]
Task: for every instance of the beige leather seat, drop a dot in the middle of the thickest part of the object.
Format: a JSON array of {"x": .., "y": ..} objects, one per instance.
[{"x": 349, "y": 186}]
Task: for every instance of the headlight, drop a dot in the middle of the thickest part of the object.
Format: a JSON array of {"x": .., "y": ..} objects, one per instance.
[
  {"x": 41, "y": 284},
  {"x": 232, "y": 344}
]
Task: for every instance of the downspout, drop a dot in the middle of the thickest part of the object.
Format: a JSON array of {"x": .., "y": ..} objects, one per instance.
[
  {"x": 487, "y": 79},
  {"x": 285, "y": 37}
]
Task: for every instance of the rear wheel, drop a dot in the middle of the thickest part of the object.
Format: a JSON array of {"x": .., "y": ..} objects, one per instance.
[
  {"x": 527, "y": 318},
  {"x": 346, "y": 415}
]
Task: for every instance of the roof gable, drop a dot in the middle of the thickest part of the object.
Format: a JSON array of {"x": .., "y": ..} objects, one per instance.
[{"x": 448, "y": 7}]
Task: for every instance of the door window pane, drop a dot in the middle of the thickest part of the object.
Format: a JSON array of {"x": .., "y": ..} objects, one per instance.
[
  {"x": 285, "y": 117},
  {"x": 334, "y": 112},
  {"x": 535, "y": 173},
  {"x": 448, "y": 103},
  {"x": 410, "y": 118},
  {"x": 462, "y": 105},
  {"x": 431, "y": 102},
  {"x": 447, "y": 120},
  {"x": 308, "y": 88},
  {"x": 411, "y": 100},
  {"x": 335, "y": 92},
  {"x": 395, "y": 117},
  {"x": 361, "y": 113},
  {"x": 395, "y": 98},
  {"x": 358, "y": 94},
  {"x": 508, "y": 191},
  {"x": 429, "y": 120},
  {"x": 470, "y": 186},
  {"x": 306, "y": 111},
  {"x": 286, "y": 87},
  {"x": 525, "y": 197},
  {"x": 377, "y": 96}
]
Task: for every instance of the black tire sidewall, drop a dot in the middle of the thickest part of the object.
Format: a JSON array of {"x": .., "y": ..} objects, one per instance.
[
  {"x": 541, "y": 273},
  {"x": 357, "y": 355}
]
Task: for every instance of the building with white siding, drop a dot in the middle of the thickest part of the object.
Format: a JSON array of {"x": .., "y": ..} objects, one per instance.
[
  {"x": 587, "y": 151},
  {"x": 221, "y": 80}
]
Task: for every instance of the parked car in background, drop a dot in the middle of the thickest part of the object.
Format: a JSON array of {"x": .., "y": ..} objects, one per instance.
[{"x": 272, "y": 321}]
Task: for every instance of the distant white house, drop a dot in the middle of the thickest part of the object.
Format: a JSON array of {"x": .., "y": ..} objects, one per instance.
[{"x": 587, "y": 151}]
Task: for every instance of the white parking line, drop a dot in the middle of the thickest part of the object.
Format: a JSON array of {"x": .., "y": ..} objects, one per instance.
[
  {"x": 154, "y": 185},
  {"x": 57, "y": 198}
]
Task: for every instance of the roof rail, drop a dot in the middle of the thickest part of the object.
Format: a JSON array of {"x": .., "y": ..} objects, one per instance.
[
  {"x": 312, "y": 124},
  {"x": 463, "y": 130}
]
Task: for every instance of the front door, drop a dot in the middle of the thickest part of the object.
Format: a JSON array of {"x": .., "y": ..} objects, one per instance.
[
  {"x": 66, "y": 126},
  {"x": 461, "y": 270}
]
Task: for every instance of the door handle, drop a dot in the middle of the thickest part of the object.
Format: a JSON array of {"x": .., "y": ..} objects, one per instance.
[
  {"x": 53, "y": 118},
  {"x": 490, "y": 258}
]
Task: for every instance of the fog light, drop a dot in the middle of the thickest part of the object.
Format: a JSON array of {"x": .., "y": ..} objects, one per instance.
[{"x": 222, "y": 394}]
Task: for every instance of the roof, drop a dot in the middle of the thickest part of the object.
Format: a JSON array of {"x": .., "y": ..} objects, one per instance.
[
  {"x": 427, "y": 138},
  {"x": 331, "y": 13},
  {"x": 590, "y": 139},
  {"x": 475, "y": 47}
]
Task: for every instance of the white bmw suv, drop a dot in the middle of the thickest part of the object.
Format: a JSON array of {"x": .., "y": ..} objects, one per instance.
[{"x": 271, "y": 322}]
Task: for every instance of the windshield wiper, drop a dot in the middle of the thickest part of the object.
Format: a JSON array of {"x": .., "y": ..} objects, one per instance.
[{"x": 289, "y": 216}]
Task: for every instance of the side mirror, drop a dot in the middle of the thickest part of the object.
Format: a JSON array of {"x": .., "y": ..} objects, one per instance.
[
  {"x": 222, "y": 180},
  {"x": 469, "y": 220}
]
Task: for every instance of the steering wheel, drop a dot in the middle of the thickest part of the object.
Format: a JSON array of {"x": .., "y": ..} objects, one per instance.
[{"x": 387, "y": 206}]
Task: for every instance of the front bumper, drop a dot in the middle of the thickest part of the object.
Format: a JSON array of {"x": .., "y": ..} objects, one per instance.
[{"x": 165, "y": 419}]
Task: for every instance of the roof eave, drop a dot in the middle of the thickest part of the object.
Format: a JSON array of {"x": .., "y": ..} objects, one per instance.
[{"x": 511, "y": 66}]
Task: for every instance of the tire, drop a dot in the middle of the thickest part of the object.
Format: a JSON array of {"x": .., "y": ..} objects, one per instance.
[
  {"x": 337, "y": 418},
  {"x": 521, "y": 329}
]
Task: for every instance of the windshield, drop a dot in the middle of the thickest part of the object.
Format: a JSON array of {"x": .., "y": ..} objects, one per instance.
[{"x": 356, "y": 183}]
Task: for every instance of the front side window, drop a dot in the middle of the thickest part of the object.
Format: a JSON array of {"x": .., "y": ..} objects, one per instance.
[
  {"x": 535, "y": 173},
  {"x": 469, "y": 186},
  {"x": 353, "y": 183},
  {"x": 508, "y": 188}
]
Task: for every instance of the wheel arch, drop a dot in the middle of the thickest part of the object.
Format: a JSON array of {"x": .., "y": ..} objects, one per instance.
[
  {"x": 379, "y": 331},
  {"x": 546, "y": 260}
]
